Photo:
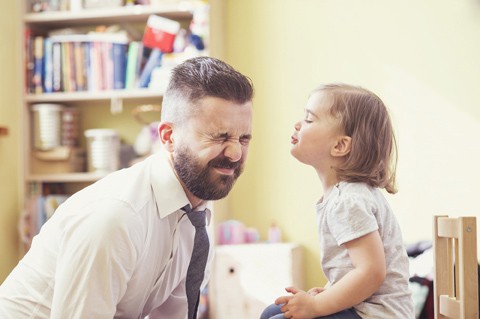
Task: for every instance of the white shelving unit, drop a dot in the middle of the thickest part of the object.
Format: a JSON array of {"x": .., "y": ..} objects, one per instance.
[
  {"x": 174, "y": 10},
  {"x": 105, "y": 96},
  {"x": 96, "y": 104},
  {"x": 43, "y": 22}
]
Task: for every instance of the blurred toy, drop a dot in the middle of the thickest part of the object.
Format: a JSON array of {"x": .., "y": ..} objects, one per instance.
[
  {"x": 231, "y": 232},
  {"x": 147, "y": 141}
]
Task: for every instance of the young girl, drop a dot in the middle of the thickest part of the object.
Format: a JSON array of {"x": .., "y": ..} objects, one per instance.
[{"x": 347, "y": 137}]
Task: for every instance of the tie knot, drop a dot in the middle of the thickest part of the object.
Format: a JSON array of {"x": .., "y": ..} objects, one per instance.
[{"x": 197, "y": 217}]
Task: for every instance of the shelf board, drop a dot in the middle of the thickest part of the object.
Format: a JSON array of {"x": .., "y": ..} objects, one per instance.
[
  {"x": 86, "y": 96},
  {"x": 137, "y": 13},
  {"x": 66, "y": 178}
]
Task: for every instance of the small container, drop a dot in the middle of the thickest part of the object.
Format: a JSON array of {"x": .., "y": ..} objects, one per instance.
[
  {"x": 231, "y": 232},
  {"x": 47, "y": 126},
  {"x": 103, "y": 150},
  {"x": 274, "y": 234},
  {"x": 70, "y": 126}
]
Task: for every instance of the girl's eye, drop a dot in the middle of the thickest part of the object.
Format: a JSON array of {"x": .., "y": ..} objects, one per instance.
[{"x": 308, "y": 121}]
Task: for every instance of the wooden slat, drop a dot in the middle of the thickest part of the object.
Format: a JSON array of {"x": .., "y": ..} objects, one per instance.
[
  {"x": 449, "y": 307},
  {"x": 459, "y": 251},
  {"x": 468, "y": 267},
  {"x": 440, "y": 252},
  {"x": 448, "y": 227}
]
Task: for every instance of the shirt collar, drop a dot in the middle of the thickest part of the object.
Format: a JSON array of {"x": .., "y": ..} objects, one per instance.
[{"x": 169, "y": 193}]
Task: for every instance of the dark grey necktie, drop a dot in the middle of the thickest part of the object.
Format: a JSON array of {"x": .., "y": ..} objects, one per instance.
[{"x": 196, "y": 268}]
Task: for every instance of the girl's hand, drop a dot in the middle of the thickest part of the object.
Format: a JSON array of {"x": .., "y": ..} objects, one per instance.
[
  {"x": 315, "y": 291},
  {"x": 298, "y": 306}
]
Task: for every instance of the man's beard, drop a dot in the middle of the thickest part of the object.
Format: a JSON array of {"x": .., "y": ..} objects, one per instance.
[{"x": 200, "y": 180}]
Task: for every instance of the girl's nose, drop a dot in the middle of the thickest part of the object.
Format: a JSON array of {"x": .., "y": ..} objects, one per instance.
[{"x": 297, "y": 126}]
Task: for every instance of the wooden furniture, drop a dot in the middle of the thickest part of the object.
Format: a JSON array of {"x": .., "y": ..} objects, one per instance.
[{"x": 455, "y": 267}]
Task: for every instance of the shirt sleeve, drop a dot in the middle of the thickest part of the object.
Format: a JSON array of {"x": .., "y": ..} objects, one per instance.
[
  {"x": 96, "y": 258},
  {"x": 352, "y": 217},
  {"x": 175, "y": 307}
]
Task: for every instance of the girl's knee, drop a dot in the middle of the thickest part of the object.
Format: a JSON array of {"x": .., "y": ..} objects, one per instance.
[{"x": 271, "y": 311}]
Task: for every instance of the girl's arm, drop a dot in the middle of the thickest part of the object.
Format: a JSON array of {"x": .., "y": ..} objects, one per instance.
[{"x": 368, "y": 259}]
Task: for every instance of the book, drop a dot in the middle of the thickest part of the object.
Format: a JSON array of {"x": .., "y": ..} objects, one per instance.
[
  {"x": 96, "y": 65},
  {"x": 107, "y": 56},
  {"x": 93, "y": 65},
  {"x": 38, "y": 64},
  {"x": 48, "y": 61},
  {"x": 66, "y": 67},
  {"x": 57, "y": 67},
  {"x": 119, "y": 65},
  {"x": 78, "y": 61},
  {"x": 86, "y": 64},
  {"x": 154, "y": 60},
  {"x": 132, "y": 64}
]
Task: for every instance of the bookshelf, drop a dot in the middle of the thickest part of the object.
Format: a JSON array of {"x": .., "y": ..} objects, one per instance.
[
  {"x": 137, "y": 13},
  {"x": 105, "y": 96},
  {"x": 104, "y": 107}
]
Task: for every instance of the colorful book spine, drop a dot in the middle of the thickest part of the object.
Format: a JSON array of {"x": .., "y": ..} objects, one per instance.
[
  {"x": 38, "y": 68},
  {"x": 132, "y": 63},
  {"x": 98, "y": 66},
  {"x": 71, "y": 66},
  {"x": 57, "y": 67},
  {"x": 119, "y": 65},
  {"x": 86, "y": 63},
  {"x": 79, "y": 62},
  {"x": 48, "y": 79},
  {"x": 78, "y": 66},
  {"x": 155, "y": 60}
]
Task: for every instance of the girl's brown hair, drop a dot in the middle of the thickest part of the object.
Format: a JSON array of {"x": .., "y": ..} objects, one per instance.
[{"x": 364, "y": 117}]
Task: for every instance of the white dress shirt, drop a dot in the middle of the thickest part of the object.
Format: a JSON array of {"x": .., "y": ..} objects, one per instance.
[{"x": 119, "y": 248}]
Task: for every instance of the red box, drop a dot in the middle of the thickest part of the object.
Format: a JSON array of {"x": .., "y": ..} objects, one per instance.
[{"x": 160, "y": 33}]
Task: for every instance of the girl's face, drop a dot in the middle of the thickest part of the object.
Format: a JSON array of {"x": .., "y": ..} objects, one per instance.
[{"x": 317, "y": 134}]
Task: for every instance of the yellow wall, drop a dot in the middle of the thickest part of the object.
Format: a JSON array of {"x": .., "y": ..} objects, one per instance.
[
  {"x": 10, "y": 109},
  {"x": 422, "y": 57}
]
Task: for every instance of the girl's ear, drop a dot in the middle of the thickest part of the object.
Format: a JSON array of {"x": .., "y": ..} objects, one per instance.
[
  {"x": 165, "y": 132},
  {"x": 342, "y": 147}
]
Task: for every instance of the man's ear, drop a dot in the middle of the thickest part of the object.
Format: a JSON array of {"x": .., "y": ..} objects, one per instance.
[
  {"x": 342, "y": 147},
  {"x": 165, "y": 132}
]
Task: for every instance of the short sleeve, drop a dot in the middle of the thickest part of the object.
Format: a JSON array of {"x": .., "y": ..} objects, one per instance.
[{"x": 352, "y": 217}]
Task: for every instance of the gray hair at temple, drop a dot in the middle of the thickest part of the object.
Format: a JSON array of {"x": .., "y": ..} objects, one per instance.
[{"x": 198, "y": 78}]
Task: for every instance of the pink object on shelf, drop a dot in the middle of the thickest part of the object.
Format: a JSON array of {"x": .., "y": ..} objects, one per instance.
[{"x": 231, "y": 232}]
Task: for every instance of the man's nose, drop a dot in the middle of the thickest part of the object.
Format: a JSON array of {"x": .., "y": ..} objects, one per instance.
[{"x": 233, "y": 151}]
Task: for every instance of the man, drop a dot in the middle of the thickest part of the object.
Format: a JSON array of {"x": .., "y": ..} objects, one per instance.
[{"x": 121, "y": 248}]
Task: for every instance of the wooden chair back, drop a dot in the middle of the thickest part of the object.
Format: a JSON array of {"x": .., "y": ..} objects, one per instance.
[{"x": 455, "y": 268}]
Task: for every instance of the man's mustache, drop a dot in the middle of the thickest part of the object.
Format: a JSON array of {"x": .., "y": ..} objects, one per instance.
[{"x": 223, "y": 162}]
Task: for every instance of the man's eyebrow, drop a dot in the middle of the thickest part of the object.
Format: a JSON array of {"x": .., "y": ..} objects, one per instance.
[
  {"x": 246, "y": 136},
  {"x": 226, "y": 136},
  {"x": 221, "y": 135}
]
